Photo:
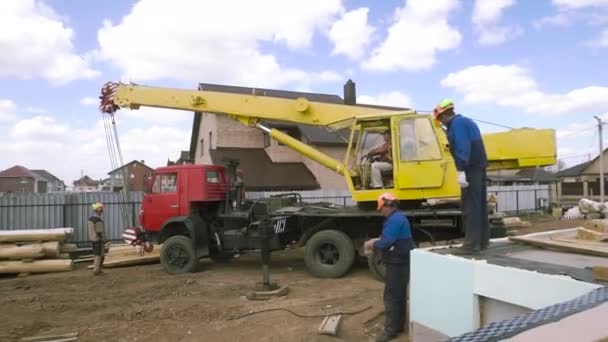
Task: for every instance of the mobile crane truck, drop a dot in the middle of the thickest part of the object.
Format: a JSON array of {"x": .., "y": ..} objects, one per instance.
[{"x": 198, "y": 211}]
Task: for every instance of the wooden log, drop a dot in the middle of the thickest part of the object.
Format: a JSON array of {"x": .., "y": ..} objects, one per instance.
[
  {"x": 54, "y": 234},
  {"x": 68, "y": 248},
  {"x": 16, "y": 252},
  {"x": 36, "y": 266},
  {"x": 51, "y": 249}
]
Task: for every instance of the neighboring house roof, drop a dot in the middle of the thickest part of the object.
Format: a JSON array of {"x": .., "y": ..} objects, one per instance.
[
  {"x": 46, "y": 175},
  {"x": 18, "y": 171},
  {"x": 133, "y": 162},
  {"x": 86, "y": 181},
  {"x": 262, "y": 174},
  {"x": 537, "y": 175},
  {"x": 575, "y": 170}
]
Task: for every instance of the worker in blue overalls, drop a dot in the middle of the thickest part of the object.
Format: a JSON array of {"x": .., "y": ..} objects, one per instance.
[
  {"x": 469, "y": 153},
  {"x": 395, "y": 245}
]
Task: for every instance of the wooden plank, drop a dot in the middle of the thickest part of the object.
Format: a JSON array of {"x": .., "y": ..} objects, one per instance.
[
  {"x": 330, "y": 325},
  {"x": 548, "y": 242},
  {"x": 600, "y": 273},
  {"x": 25, "y": 235},
  {"x": 589, "y": 234},
  {"x": 580, "y": 242},
  {"x": 600, "y": 226},
  {"x": 41, "y": 338}
]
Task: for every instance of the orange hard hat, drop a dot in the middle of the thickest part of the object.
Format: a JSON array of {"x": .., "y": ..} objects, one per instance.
[
  {"x": 384, "y": 198},
  {"x": 442, "y": 106}
]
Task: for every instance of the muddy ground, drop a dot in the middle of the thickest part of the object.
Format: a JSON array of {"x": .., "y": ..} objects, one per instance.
[{"x": 145, "y": 304}]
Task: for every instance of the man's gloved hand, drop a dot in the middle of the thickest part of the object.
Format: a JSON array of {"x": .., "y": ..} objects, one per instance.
[{"x": 462, "y": 179}]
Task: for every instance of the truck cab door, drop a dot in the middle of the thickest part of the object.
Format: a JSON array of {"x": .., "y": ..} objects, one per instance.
[
  {"x": 163, "y": 201},
  {"x": 417, "y": 156}
]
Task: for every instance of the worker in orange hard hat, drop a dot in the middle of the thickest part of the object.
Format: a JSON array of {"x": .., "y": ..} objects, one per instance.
[
  {"x": 97, "y": 236},
  {"x": 469, "y": 153},
  {"x": 395, "y": 244}
]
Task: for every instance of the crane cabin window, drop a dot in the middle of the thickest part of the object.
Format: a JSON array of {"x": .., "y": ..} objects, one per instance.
[
  {"x": 165, "y": 183},
  {"x": 417, "y": 140}
]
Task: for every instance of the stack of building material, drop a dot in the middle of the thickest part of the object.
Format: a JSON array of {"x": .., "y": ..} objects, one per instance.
[
  {"x": 36, "y": 250},
  {"x": 128, "y": 255}
]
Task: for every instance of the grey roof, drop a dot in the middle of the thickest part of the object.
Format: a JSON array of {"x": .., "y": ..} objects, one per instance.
[
  {"x": 132, "y": 162},
  {"x": 537, "y": 175},
  {"x": 46, "y": 175},
  {"x": 575, "y": 170}
]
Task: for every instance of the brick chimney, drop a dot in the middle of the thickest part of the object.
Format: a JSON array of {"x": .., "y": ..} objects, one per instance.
[{"x": 350, "y": 93}]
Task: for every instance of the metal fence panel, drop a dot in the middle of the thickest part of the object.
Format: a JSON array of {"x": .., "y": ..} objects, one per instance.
[{"x": 53, "y": 210}]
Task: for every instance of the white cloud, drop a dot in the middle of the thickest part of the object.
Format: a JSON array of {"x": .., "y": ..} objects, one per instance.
[
  {"x": 601, "y": 41},
  {"x": 36, "y": 43},
  {"x": 64, "y": 149},
  {"x": 571, "y": 11},
  {"x": 576, "y": 4},
  {"x": 420, "y": 31},
  {"x": 89, "y": 101},
  {"x": 210, "y": 41},
  {"x": 393, "y": 98},
  {"x": 7, "y": 111},
  {"x": 512, "y": 86},
  {"x": 352, "y": 34},
  {"x": 486, "y": 18}
]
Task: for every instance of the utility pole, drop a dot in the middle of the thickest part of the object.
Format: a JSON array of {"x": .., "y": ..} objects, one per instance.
[{"x": 599, "y": 126}]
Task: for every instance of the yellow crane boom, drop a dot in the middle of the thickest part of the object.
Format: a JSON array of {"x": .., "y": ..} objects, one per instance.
[{"x": 422, "y": 166}]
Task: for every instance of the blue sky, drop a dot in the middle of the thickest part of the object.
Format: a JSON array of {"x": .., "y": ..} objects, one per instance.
[{"x": 518, "y": 63}]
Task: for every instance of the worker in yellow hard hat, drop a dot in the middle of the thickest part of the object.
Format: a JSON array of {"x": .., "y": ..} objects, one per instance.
[
  {"x": 469, "y": 153},
  {"x": 395, "y": 244},
  {"x": 97, "y": 236}
]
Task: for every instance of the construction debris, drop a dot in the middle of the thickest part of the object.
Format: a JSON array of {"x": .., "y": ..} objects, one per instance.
[
  {"x": 330, "y": 325},
  {"x": 587, "y": 209},
  {"x": 35, "y": 251},
  {"x": 511, "y": 222}
]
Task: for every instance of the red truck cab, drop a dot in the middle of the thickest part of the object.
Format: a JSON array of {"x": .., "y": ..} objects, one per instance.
[{"x": 174, "y": 191}]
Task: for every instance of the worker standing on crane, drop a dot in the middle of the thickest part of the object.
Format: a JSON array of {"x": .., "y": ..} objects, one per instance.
[
  {"x": 395, "y": 244},
  {"x": 96, "y": 236},
  {"x": 382, "y": 160},
  {"x": 468, "y": 150}
]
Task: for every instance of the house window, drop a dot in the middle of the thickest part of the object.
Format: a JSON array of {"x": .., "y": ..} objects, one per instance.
[
  {"x": 210, "y": 140},
  {"x": 202, "y": 147},
  {"x": 165, "y": 183}
]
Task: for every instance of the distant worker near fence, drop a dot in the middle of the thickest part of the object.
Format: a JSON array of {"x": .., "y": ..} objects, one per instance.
[{"x": 97, "y": 237}]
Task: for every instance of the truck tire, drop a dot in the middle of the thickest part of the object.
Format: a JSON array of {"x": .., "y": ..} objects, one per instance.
[
  {"x": 377, "y": 268},
  {"x": 329, "y": 254},
  {"x": 177, "y": 255}
]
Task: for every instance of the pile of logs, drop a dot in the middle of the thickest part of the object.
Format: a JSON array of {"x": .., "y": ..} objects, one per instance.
[{"x": 36, "y": 250}]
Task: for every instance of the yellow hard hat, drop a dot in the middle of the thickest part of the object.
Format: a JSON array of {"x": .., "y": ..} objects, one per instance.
[{"x": 97, "y": 206}]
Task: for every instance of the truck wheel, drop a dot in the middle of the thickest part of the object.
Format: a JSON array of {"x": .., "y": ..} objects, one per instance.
[
  {"x": 377, "y": 268},
  {"x": 177, "y": 255},
  {"x": 329, "y": 254}
]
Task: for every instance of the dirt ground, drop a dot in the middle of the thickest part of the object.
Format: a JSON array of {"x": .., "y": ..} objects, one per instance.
[{"x": 145, "y": 304}]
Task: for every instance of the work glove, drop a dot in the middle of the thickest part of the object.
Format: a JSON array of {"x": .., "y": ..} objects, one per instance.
[{"x": 462, "y": 179}]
